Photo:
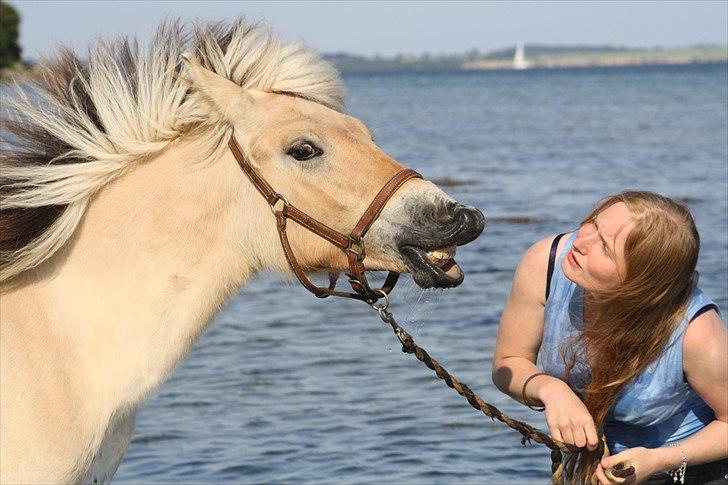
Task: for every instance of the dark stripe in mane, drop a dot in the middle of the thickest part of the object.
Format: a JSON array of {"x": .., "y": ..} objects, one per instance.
[
  {"x": 18, "y": 227},
  {"x": 25, "y": 144}
]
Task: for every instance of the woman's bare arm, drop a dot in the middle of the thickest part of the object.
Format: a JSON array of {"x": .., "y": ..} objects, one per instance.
[
  {"x": 519, "y": 339},
  {"x": 521, "y": 325},
  {"x": 705, "y": 361}
]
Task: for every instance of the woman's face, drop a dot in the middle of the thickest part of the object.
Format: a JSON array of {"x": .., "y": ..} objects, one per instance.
[{"x": 596, "y": 262}]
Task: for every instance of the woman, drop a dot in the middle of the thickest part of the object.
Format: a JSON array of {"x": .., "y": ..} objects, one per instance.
[{"x": 625, "y": 340}]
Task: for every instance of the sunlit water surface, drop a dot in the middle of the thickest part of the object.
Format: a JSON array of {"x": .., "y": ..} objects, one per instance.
[{"x": 285, "y": 387}]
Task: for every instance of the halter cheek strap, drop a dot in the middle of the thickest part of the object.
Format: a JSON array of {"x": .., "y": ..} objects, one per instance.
[{"x": 352, "y": 245}]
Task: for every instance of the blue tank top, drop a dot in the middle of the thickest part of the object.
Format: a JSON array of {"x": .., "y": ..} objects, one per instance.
[{"x": 658, "y": 406}]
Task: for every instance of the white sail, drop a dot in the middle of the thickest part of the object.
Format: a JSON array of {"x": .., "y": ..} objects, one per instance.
[{"x": 519, "y": 58}]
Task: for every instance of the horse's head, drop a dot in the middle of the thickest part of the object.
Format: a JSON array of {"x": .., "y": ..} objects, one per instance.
[{"x": 326, "y": 163}]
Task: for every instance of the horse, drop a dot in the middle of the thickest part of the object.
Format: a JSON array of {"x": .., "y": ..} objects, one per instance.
[{"x": 126, "y": 221}]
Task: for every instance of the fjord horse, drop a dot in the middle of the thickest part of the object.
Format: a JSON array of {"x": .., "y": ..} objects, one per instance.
[{"x": 126, "y": 222}]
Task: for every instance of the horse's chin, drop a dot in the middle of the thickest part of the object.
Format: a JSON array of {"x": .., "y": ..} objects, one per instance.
[{"x": 433, "y": 269}]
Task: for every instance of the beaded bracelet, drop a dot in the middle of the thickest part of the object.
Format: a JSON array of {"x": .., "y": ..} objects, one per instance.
[
  {"x": 523, "y": 391},
  {"x": 678, "y": 474}
]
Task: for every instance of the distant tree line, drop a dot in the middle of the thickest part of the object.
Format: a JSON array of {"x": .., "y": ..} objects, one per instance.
[
  {"x": 554, "y": 55},
  {"x": 9, "y": 48},
  {"x": 538, "y": 50}
]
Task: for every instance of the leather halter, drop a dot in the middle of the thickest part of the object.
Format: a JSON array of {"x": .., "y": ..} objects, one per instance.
[{"x": 352, "y": 245}]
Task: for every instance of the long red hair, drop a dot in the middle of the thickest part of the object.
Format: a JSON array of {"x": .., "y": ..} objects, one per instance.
[{"x": 630, "y": 326}]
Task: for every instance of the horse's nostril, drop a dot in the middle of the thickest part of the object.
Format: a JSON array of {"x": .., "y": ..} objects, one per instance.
[
  {"x": 471, "y": 218},
  {"x": 447, "y": 212}
]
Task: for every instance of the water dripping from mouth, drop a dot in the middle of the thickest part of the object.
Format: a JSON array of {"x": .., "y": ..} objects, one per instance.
[{"x": 423, "y": 302}]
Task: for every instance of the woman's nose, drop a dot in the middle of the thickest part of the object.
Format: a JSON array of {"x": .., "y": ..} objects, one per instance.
[{"x": 583, "y": 239}]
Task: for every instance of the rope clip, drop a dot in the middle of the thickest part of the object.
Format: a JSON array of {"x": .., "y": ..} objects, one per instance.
[{"x": 381, "y": 308}]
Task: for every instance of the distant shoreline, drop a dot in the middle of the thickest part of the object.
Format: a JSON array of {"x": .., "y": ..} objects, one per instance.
[
  {"x": 501, "y": 66},
  {"x": 534, "y": 57},
  {"x": 460, "y": 70}
]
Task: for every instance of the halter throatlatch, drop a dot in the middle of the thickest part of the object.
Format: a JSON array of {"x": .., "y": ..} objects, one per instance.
[{"x": 352, "y": 245}]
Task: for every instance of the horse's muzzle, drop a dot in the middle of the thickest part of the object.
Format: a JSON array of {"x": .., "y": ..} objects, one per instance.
[{"x": 429, "y": 253}]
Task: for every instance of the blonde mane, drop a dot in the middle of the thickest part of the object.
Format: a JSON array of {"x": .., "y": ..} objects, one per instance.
[{"x": 76, "y": 126}]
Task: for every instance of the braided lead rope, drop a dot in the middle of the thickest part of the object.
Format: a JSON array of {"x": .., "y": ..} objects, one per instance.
[{"x": 528, "y": 432}]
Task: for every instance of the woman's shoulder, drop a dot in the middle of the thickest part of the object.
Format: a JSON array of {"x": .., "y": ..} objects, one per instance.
[
  {"x": 705, "y": 348},
  {"x": 536, "y": 259},
  {"x": 531, "y": 272},
  {"x": 538, "y": 253},
  {"x": 704, "y": 328},
  {"x": 706, "y": 331}
]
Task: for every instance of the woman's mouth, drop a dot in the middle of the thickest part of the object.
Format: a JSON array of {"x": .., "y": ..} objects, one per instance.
[{"x": 572, "y": 259}]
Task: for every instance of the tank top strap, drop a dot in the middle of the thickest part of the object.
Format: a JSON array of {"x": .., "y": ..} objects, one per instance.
[
  {"x": 556, "y": 281},
  {"x": 552, "y": 262}
]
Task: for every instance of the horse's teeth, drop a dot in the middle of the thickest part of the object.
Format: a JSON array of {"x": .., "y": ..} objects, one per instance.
[
  {"x": 440, "y": 255},
  {"x": 437, "y": 255}
]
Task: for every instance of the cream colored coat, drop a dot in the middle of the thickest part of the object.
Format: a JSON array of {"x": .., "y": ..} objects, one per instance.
[{"x": 92, "y": 330}]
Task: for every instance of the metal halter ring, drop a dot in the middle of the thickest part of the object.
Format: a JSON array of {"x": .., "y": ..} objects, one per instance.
[
  {"x": 279, "y": 197},
  {"x": 381, "y": 307}
]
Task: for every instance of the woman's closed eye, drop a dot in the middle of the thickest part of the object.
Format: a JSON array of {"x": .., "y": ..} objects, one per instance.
[{"x": 605, "y": 249}]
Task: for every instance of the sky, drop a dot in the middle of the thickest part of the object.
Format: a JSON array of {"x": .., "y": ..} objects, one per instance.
[{"x": 388, "y": 28}]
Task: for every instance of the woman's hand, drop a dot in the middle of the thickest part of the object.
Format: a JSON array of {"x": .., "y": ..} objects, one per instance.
[
  {"x": 646, "y": 462},
  {"x": 566, "y": 416}
]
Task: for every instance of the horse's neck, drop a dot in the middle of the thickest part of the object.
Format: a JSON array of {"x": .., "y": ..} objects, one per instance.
[{"x": 157, "y": 254}]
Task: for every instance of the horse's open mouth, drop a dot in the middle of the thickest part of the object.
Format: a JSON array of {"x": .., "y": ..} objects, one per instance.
[
  {"x": 429, "y": 254},
  {"x": 434, "y": 268}
]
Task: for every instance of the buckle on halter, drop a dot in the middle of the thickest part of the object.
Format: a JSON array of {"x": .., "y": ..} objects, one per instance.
[
  {"x": 356, "y": 246},
  {"x": 279, "y": 198}
]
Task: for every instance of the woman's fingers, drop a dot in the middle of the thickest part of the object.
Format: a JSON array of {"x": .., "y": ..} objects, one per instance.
[
  {"x": 592, "y": 440},
  {"x": 580, "y": 437},
  {"x": 563, "y": 433},
  {"x": 603, "y": 480},
  {"x": 568, "y": 435},
  {"x": 574, "y": 428}
]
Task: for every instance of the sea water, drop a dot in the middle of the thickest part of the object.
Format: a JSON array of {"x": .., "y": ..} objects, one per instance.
[{"x": 316, "y": 391}]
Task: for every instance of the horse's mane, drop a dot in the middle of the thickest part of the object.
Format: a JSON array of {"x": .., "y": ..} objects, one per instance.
[{"x": 76, "y": 125}]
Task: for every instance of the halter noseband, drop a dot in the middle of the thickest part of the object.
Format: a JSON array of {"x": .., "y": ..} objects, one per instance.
[{"x": 352, "y": 245}]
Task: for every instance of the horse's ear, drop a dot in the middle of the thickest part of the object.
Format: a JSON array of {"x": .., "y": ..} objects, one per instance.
[{"x": 225, "y": 97}]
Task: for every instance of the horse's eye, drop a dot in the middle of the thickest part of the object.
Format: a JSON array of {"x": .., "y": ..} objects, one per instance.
[{"x": 304, "y": 151}]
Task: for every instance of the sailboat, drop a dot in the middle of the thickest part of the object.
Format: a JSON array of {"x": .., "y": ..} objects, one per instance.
[{"x": 519, "y": 58}]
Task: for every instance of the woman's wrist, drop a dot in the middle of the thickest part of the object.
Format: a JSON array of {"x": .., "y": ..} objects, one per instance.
[
  {"x": 545, "y": 386},
  {"x": 669, "y": 457}
]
